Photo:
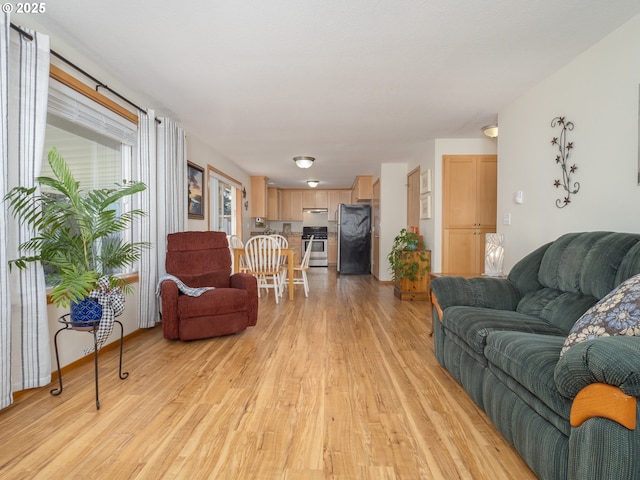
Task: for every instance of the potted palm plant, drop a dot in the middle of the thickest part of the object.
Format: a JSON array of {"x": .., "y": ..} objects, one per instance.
[
  {"x": 409, "y": 263},
  {"x": 77, "y": 235}
]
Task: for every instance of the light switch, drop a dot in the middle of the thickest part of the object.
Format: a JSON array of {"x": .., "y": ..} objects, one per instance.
[{"x": 506, "y": 219}]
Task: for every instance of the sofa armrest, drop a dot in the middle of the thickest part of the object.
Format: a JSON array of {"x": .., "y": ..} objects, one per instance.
[
  {"x": 602, "y": 377},
  {"x": 610, "y": 360},
  {"x": 248, "y": 282},
  {"x": 169, "y": 303},
  {"x": 486, "y": 292}
]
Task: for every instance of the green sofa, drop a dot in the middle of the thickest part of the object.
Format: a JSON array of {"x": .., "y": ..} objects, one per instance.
[{"x": 501, "y": 339}]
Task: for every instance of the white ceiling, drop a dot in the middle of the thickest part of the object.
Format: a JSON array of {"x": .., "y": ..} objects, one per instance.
[{"x": 354, "y": 83}]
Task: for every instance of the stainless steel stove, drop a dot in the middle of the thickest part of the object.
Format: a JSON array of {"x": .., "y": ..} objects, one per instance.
[{"x": 319, "y": 248}]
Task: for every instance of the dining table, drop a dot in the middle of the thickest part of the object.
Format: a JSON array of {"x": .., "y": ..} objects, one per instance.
[{"x": 288, "y": 252}]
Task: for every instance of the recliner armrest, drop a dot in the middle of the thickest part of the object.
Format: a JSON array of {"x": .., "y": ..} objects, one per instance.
[
  {"x": 486, "y": 292},
  {"x": 169, "y": 300},
  {"x": 248, "y": 282}
]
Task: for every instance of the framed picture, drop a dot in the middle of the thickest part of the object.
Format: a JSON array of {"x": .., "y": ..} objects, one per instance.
[
  {"x": 195, "y": 191},
  {"x": 425, "y": 207},
  {"x": 425, "y": 181}
]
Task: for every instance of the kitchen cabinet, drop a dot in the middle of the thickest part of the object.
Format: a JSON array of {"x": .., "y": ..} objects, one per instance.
[
  {"x": 259, "y": 199},
  {"x": 336, "y": 197},
  {"x": 332, "y": 249},
  {"x": 314, "y": 199},
  {"x": 291, "y": 205},
  {"x": 362, "y": 189},
  {"x": 469, "y": 204},
  {"x": 273, "y": 203}
]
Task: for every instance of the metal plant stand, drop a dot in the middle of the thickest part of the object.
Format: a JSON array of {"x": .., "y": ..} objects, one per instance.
[{"x": 93, "y": 328}]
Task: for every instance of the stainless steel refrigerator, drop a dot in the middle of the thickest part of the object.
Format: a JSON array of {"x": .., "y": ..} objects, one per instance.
[{"x": 354, "y": 239}]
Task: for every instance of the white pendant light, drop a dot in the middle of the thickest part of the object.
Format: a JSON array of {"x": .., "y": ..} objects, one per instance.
[
  {"x": 303, "y": 161},
  {"x": 313, "y": 183}
]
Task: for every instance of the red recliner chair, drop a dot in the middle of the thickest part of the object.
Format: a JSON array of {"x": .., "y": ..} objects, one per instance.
[{"x": 202, "y": 259}]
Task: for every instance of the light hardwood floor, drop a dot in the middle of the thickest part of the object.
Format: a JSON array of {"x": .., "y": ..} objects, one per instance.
[{"x": 340, "y": 385}]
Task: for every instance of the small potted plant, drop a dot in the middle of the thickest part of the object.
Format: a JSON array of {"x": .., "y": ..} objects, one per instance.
[
  {"x": 78, "y": 235},
  {"x": 409, "y": 263}
]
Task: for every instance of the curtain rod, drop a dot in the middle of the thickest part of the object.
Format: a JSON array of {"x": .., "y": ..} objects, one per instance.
[{"x": 98, "y": 83}]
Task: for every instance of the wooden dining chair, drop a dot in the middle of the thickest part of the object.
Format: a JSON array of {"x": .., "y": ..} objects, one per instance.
[
  {"x": 284, "y": 243},
  {"x": 300, "y": 271},
  {"x": 264, "y": 260}
]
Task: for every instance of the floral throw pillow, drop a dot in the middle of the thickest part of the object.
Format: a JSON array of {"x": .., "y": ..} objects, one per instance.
[{"x": 618, "y": 313}]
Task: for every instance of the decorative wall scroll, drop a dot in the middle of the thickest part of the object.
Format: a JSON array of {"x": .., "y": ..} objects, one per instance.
[{"x": 564, "y": 150}]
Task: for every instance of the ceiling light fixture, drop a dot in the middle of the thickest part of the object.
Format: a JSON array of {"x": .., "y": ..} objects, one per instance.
[
  {"x": 313, "y": 183},
  {"x": 490, "y": 131},
  {"x": 303, "y": 161}
]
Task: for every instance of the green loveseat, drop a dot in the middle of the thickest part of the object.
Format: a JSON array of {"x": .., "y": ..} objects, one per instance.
[{"x": 501, "y": 340}]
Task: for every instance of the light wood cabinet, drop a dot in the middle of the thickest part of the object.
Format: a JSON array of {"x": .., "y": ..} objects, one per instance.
[
  {"x": 259, "y": 198},
  {"x": 419, "y": 289},
  {"x": 469, "y": 210},
  {"x": 336, "y": 197},
  {"x": 315, "y": 199},
  {"x": 332, "y": 249},
  {"x": 291, "y": 205},
  {"x": 273, "y": 203},
  {"x": 362, "y": 189}
]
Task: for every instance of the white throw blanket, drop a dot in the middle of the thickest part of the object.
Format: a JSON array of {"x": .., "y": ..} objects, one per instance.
[{"x": 191, "y": 291}]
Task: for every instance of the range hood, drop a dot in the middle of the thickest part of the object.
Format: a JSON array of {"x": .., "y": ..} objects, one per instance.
[
  {"x": 315, "y": 217},
  {"x": 315, "y": 210}
]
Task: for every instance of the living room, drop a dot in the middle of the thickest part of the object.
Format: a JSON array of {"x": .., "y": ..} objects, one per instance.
[{"x": 598, "y": 91}]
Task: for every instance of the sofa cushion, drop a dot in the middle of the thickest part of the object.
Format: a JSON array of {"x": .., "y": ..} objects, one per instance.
[
  {"x": 556, "y": 307},
  {"x": 618, "y": 313},
  {"x": 525, "y": 362},
  {"x": 473, "y": 324}
]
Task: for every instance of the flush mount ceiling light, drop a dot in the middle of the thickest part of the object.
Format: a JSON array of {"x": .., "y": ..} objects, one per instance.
[
  {"x": 303, "y": 162},
  {"x": 313, "y": 183},
  {"x": 490, "y": 131}
]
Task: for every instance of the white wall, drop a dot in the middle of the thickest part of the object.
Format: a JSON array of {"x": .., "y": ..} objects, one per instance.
[
  {"x": 393, "y": 210},
  {"x": 598, "y": 92},
  {"x": 203, "y": 155}
]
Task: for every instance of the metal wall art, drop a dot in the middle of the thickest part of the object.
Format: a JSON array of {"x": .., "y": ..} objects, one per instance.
[{"x": 564, "y": 149}]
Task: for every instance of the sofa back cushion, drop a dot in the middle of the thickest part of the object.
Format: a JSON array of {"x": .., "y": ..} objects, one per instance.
[{"x": 576, "y": 271}]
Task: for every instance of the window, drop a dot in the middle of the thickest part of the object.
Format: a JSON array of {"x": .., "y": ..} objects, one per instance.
[
  {"x": 223, "y": 215},
  {"x": 96, "y": 143}
]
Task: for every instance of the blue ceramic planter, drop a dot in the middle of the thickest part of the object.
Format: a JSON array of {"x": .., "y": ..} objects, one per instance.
[{"x": 85, "y": 312}]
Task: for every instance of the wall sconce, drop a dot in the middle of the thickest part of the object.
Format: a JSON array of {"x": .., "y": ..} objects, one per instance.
[
  {"x": 313, "y": 183},
  {"x": 246, "y": 205},
  {"x": 244, "y": 192},
  {"x": 490, "y": 131},
  {"x": 493, "y": 254},
  {"x": 303, "y": 161}
]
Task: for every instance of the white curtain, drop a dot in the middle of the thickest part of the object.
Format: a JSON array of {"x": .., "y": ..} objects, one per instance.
[
  {"x": 6, "y": 396},
  {"x": 172, "y": 185},
  {"x": 162, "y": 166},
  {"x": 146, "y": 171},
  {"x": 24, "y": 330}
]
